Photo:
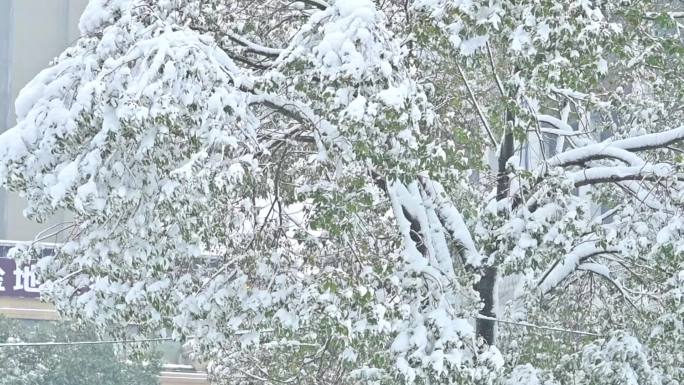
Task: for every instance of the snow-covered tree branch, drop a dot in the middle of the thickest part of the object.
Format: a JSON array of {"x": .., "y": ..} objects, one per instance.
[{"x": 359, "y": 192}]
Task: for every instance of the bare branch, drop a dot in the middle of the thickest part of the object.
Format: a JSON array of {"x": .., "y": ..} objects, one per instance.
[{"x": 485, "y": 123}]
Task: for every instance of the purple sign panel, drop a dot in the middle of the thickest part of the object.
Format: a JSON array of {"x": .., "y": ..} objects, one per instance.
[{"x": 16, "y": 281}]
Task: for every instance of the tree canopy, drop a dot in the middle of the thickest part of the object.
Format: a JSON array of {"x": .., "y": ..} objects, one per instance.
[{"x": 357, "y": 191}]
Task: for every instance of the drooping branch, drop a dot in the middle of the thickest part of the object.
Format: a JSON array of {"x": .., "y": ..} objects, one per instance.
[
  {"x": 291, "y": 109},
  {"x": 555, "y": 123},
  {"x": 409, "y": 223},
  {"x": 408, "y": 209},
  {"x": 603, "y": 272},
  {"x": 541, "y": 327},
  {"x": 580, "y": 156},
  {"x": 260, "y": 64},
  {"x": 621, "y": 149},
  {"x": 452, "y": 221},
  {"x": 650, "y": 141},
  {"x": 562, "y": 268},
  {"x": 411, "y": 218},
  {"x": 302, "y": 114}
]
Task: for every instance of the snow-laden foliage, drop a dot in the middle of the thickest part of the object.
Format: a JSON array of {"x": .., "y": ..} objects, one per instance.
[{"x": 364, "y": 192}]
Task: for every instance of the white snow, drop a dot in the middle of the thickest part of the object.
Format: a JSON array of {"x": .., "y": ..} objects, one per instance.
[
  {"x": 12, "y": 144},
  {"x": 568, "y": 264},
  {"x": 472, "y": 45},
  {"x": 452, "y": 220},
  {"x": 596, "y": 268},
  {"x": 99, "y": 12},
  {"x": 66, "y": 178},
  {"x": 394, "y": 97},
  {"x": 520, "y": 39},
  {"x": 608, "y": 173},
  {"x": 658, "y": 139},
  {"x": 596, "y": 151},
  {"x": 357, "y": 108},
  {"x": 364, "y": 9}
]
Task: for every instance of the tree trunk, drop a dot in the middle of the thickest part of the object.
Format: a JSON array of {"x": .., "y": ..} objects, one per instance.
[{"x": 485, "y": 286}]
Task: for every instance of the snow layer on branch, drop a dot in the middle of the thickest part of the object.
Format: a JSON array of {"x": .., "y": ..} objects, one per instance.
[
  {"x": 595, "y": 152},
  {"x": 567, "y": 265},
  {"x": 348, "y": 45},
  {"x": 341, "y": 41},
  {"x": 621, "y": 359},
  {"x": 434, "y": 336},
  {"x": 524, "y": 375},
  {"x": 555, "y": 122},
  {"x": 147, "y": 72},
  {"x": 616, "y": 173},
  {"x": 453, "y": 221},
  {"x": 595, "y": 268},
  {"x": 100, "y": 12},
  {"x": 622, "y": 149},
  {"x": 649, "y": 141}
]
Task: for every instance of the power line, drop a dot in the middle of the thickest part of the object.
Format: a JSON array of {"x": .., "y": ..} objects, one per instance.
[
  {"x": 529, "y": 325},
  {"x": 76, "y": 343}
]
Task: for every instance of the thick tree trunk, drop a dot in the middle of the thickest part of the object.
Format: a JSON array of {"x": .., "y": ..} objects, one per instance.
[{"x": 486, "y": 285}]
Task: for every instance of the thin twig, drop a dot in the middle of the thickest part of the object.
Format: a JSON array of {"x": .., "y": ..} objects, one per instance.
[{"x": 477, "y": 107}]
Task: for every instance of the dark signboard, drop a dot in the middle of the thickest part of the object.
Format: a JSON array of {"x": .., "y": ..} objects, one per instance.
[{"x": 17, "y": 281}]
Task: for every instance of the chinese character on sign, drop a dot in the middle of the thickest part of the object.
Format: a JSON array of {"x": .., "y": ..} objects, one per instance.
[
  {"x": 17, "y": 280},
  {"x": 25, "y": 279}
]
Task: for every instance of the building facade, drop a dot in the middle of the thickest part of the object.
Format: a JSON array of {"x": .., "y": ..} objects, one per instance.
[{"x": 32, "y": 33}]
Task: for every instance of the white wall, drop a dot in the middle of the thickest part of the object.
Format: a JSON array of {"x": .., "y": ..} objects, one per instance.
[{"x": 37, "y": 31}]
